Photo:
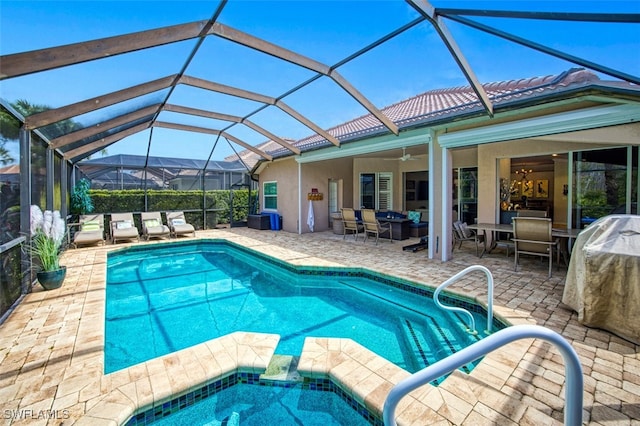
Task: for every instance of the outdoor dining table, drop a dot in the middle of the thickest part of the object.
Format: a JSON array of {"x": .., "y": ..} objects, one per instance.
[{"x": 564, "y": 234}]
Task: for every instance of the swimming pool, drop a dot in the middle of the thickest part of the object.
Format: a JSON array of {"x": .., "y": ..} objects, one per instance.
[
  {"x": 166, "y": 297},
  {"x": 247, "y": 400}
]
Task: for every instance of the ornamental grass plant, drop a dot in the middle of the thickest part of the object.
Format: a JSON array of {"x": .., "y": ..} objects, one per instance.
[{"x": 47, "y": 235}]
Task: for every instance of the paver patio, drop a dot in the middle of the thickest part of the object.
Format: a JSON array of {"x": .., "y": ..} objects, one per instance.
[{"x": 51, "y": 347}]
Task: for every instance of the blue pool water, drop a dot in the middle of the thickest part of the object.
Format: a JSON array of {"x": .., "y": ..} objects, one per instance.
[
  {"x": 245, "y": 399},
  {"x": 171, "y": 296},
  {"x": 248, "y": 401}
]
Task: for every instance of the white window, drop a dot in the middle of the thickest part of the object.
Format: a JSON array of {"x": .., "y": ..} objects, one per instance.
[
  {"x": 376, "y": 191},
  {"x": 270, "y": 195}
]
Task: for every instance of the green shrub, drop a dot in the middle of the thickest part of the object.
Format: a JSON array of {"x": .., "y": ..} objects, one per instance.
[{"x": 191, "y": 202}]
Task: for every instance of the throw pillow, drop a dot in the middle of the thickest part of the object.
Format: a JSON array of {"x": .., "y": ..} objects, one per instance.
[
  {"x": 124, "y": 224},
  {"x": 150, "y": 223},
  {"x": 414, "y": 216},
  {"x": 468, "y": 233},
  {"x": 91, "y": 225},
  {"x": 177, "y": 222}
]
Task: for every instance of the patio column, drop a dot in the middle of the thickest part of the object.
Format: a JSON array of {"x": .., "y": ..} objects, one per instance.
[
  {"x": 440, "y": 201},
  {"x": 300, "y": 198}
]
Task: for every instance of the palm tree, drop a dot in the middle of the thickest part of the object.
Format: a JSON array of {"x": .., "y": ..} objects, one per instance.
[
  {"x": 9, "y": 129},
  {"x": 10, "y": 126}
]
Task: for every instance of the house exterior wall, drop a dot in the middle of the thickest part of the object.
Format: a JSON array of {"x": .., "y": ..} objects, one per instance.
[
  {"x": 285, "y": 173},
  {"x": 492, "y": 159},
  {"x": 292, "y": 197},
  {"x": 317, "y": 175}
]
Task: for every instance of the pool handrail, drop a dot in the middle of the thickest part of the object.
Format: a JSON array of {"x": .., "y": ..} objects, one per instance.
[
  {"x": 573, "y": 370},
  {"x": 455, "y": 278}
]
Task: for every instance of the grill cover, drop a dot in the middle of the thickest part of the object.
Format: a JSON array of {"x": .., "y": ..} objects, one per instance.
[{"x": 603, "y": 280}]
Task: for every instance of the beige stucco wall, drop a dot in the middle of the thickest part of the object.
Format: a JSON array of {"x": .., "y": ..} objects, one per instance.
[
  {"x": 285, "y": 172},
  {"x": 293, "y": 187},
  {"x": 317, "y": 175}
]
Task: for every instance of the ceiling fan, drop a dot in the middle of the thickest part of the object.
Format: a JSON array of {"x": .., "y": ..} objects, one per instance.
[{"x": 405, "y": 156}]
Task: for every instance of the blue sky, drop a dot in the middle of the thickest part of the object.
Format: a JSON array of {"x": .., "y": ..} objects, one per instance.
[{"x": 326, "y": 31}]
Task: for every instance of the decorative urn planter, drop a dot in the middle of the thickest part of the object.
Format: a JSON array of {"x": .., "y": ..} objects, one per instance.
[{"x": 50, "y": 280}]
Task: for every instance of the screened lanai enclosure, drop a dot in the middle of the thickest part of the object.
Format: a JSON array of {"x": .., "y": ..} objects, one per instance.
[
  {"x": 140, "y": 172},
  {"x": 191, "y": 96}
]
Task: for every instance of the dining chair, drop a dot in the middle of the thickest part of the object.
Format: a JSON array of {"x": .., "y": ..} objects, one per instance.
[
  {"x": 373, "y": 226},
  {"x": 532, "y": 235},
  {"x": 462, "y": 233},
  {"x": 532, "y": 213},
  {"x": 350, "y": 223}
]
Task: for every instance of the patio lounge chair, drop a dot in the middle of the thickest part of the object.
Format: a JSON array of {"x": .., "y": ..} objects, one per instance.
[
  {"x": 532, "y": 235},
  {"x": 91, "y": 230},
  {"x": 152, "y": 226},
  {"x": 350, "y": 223},
  {"x": 373, "y": 226},
  {"x": 123, "y": 227},
  {"x": 178, "y": 224}
]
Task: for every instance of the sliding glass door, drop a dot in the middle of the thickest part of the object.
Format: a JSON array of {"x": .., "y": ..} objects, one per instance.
[{"x": 604, "y": 182}]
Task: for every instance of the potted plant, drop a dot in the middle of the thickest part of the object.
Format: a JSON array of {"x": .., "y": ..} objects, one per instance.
[
  {"x": 80, "y": 200},
  {"x": 47, "y": 236}
]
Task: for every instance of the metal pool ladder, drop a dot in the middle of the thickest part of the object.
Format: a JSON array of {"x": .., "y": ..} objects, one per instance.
[
  {"x": 456, "y": 277},
  {"x": 573, "y": 369}
]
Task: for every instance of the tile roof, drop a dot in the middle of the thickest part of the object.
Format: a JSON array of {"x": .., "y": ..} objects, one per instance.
[
  {"x": 250, "y": 158},
  {"x": 440, "y": 102},
  {"x": 436, "y": 104}
]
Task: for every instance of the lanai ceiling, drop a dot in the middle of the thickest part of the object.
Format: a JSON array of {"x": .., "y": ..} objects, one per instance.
[{"x": 276, "y": 77}]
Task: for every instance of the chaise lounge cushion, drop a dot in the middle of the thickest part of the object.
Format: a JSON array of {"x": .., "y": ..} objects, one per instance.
[{"x": 88, "y": 237}]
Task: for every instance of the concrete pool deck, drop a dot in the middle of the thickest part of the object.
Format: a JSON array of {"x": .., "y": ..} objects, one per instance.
[{"x": 51, "y": 346}]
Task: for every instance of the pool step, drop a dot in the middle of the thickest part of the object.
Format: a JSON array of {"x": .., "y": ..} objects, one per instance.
[
  {"x": 282, "y": 368},
  {"x": 421, "y": 341},
  {"x": 429, "y": 343}
]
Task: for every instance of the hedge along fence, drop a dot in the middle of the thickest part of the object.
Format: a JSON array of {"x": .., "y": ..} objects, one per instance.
[{"x": 191, "y": 202}]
